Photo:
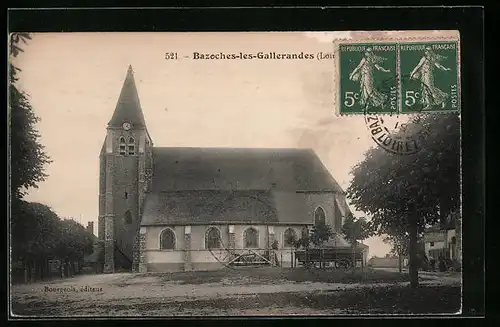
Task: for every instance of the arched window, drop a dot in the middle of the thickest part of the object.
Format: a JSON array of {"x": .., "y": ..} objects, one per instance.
[
  {"x": 131, "y": 146},
  {"x": 251, "y": 238},
  {"x": 167, "y": 239},
  {"x": 319, "y": 216},
  {"x": 289, "y": 238},
  {"x": 123, "y": 146},
  {"x": 212, "y": 238},
  {"x": 128, "y": 217}
]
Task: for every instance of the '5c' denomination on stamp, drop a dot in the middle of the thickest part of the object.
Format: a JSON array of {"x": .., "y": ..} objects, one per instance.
[
  {"x": 429, "y": 76},
  {"x": 368, "y": 78}
]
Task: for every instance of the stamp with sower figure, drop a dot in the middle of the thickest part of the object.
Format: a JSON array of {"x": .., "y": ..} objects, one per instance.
[
  {"x": 398, "y": 77},
  {"x": 429, "y": 77},
  {"x": 368, "y": 78}
]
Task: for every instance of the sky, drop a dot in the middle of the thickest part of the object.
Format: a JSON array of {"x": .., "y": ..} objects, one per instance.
[{"x": 74, "y": 80}]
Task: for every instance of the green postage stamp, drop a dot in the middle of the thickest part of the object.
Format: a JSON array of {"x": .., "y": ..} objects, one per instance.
[
  {"x": 399, "y": 77},
  {"x": 368, "y": 74}
]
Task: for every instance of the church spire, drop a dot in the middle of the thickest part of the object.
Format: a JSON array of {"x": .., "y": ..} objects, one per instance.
[{"x": 128, "y": 108}]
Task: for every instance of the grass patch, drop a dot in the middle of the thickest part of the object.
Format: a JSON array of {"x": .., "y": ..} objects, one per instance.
[
  {"x": 270, "y": 275},
  {"x": 380, "y": 300}
]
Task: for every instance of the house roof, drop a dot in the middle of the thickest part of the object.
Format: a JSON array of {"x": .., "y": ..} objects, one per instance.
[
  {"x": 128, "y": 107},
  {"x": 238, "y": 185},
  {"x": 97, "y": 255},
  {"x": 435, "y": 236},
  {"x": 176, "y": 169},
  {"x": 209, "y": 206}
]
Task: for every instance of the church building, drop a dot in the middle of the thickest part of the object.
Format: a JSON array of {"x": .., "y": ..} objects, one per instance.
[{"x": 188, "y": 208}]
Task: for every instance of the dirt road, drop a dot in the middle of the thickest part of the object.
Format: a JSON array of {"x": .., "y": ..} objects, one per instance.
[{"x": 130, "y": 294}]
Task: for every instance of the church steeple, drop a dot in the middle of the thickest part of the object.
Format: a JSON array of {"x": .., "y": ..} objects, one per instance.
[{"x": 128, "y": 108}]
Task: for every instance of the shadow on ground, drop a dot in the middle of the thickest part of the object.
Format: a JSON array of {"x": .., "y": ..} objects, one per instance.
[
  {"x": 270, "y": 275},
  {"x": 249, "y": 291}
]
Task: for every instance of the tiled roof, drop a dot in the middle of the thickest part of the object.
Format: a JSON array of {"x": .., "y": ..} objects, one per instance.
[
  {"x": 208, "y": 185},
  {"x": 208, "y": 206},
  {"x": 128, "y": 107},
  {"x": 240, "y": 169}
]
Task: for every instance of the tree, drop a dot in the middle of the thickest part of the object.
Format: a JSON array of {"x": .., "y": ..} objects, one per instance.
[
  {"x": 34, "y": 235},
  {"x": 74, "y": 242},
  {"x": 320, "y": 233},
  {"x": 39, "y": 235},
  {"x": 406, "y": 192},
  {"x": 27, "y": 154},
  {"x": 399, "y": 248},
  {"x": 355, "y": 230}
]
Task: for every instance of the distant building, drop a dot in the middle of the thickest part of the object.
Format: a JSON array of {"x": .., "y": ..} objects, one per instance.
[
  {"x": 90, "y": 227},
  {"x": 387, "y": 262},
  {"x": 445, "y": 238},
  {"x": 441, "y": 242},
  {"x": 366, "y": 250}
]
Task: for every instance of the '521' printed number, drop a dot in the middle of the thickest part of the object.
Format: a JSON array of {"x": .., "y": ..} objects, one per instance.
[
  {"x": 171, "y": 55},
  {"x": 350, "y": 99}
]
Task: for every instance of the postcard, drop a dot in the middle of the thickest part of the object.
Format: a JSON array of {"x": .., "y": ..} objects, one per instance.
[{"x": 235, "y": 174}]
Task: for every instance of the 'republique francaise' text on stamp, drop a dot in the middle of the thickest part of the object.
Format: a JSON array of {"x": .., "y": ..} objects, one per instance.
[
  {"x": 402, "y": 77},
  {"x": 429, "y": 77},
  {"x": 368, "y": 78}
]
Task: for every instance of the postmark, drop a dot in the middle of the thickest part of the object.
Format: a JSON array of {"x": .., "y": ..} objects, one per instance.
[
  {"x": 394, "y": 132},
  {"x": 368, "y": 78},
  {"x": 424, "y": 78},
  {"x": 397, "y": 134},
  {"x": 429, "y": 77}
]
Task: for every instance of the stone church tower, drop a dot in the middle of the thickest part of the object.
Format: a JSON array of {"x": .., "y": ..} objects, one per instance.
[{"x": 125, "y": 169}]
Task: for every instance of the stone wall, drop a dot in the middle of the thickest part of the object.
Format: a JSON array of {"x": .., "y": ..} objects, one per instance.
[
  {"x": 190, "y": 252},
  {"x": 143, "y": 260}
]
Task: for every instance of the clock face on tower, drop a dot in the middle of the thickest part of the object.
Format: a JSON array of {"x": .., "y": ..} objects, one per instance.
[{"x": 127, "y": 126}]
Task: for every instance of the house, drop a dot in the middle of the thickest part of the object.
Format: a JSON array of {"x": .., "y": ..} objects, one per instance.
[
  {"x": 187, "y": 208},
  {"x": 93, "y": 261},
  {"x": 441, "y": 242}
]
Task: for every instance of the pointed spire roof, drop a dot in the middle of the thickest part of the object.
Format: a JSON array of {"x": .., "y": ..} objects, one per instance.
[{"x": 128, "y": 108}]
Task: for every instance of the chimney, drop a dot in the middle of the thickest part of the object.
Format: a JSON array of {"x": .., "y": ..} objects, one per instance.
[{"x": 90, "y": 227}]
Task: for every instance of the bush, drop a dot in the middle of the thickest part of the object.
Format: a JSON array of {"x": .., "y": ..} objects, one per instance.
[{"x": 455, "y": 265}]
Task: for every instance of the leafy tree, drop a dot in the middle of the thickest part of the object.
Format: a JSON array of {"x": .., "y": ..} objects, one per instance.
[
  {"x": 320, "y": 233},
  {"x": 39, "y": 235},
  {"x": 356, "y": 230},
  {"x": 34, "y": 234},
  {"x": 407, "y": 192},
  {"x": 399, "y": 243},
  {"x": 27, "y": 154},
  {"x": 75, "y": 242},
  {"x": 15, "y": 39}
]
